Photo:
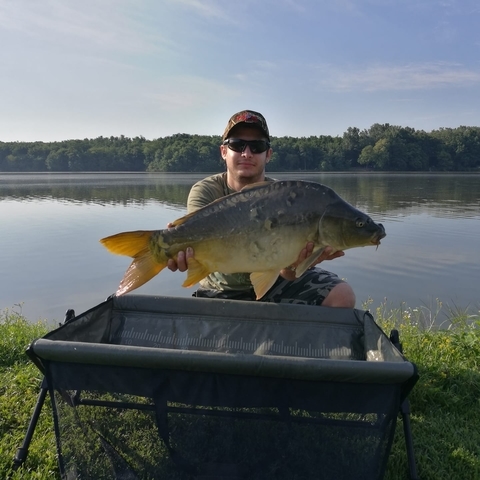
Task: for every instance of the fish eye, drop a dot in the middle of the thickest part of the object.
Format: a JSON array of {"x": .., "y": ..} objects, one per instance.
[{"x": 359, "y": 223}]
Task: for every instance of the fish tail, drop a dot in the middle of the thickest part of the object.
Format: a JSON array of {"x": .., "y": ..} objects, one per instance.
[
  {"x": 128, "y": 243},
  {"x": 144, "y": 266}
]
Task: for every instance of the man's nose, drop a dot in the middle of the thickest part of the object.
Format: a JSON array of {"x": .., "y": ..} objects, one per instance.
[{"x": 247, "y": 152}]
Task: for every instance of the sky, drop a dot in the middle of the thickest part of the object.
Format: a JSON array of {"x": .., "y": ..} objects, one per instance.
[{"x": 74, "y": 69}]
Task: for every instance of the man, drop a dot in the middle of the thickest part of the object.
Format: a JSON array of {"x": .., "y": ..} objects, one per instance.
[{"x": 246, "y": 151}]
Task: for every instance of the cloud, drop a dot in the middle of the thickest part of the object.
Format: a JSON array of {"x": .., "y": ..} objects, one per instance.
[
  {"x": 258, "y": 72},
  {"x": 397, "y": 77},
  {"x": 207, "y": 8},
  {"x": 294, "y": 5},
  {"x": 187, "y": 92},
  {"x": 109, "y": 24}
]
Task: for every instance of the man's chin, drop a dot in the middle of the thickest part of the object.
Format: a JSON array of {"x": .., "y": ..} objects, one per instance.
[{"x": 248, "y": 170}]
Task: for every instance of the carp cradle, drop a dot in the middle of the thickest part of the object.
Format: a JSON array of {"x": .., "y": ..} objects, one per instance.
[{"x": 147, "y": 387}]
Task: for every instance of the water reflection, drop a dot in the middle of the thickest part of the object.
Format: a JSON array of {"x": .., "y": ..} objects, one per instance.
[
  {"x": 51, "y": 225},
  {"x": 99, "y": 188},
  {"x": 395, "y": 193},
  {"x": 439, "y": 194}
]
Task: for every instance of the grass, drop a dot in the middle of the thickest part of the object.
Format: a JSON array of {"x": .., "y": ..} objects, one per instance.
[
  {"x": 445, "y": 403},
  {"x": 19, "y": 387}
]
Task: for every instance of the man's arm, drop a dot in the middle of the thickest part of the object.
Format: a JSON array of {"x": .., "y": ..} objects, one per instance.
[{"x": 201, "y": 194}]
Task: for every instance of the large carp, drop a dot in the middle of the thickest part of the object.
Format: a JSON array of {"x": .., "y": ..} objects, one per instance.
[{"x": 261, "y": 229}]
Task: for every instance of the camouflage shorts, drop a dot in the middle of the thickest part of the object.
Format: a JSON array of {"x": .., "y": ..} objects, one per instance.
[{"x": 310, "y": 289}]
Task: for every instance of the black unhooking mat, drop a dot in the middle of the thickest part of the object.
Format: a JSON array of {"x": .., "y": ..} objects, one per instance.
[{"x": 147, "y": 387}]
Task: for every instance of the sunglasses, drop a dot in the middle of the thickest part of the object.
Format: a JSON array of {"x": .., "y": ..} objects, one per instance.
[{"x": 238, "y": 145}]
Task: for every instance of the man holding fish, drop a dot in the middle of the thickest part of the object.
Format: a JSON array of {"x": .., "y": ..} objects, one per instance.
[
  {"x": 246, "y": 151},
  {"x": 249, "y": 237}
]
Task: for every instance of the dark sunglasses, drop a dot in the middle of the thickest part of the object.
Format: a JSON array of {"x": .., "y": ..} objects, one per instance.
[{"x": 238, "y": 145}]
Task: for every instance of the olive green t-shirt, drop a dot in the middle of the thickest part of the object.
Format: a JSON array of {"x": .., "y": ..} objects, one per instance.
[{"x": 202, "y": 193}]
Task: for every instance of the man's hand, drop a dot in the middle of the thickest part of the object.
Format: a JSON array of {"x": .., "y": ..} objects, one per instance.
[
  {"x": 182, "y": 258},
  {"x": 327, "y": 254}
]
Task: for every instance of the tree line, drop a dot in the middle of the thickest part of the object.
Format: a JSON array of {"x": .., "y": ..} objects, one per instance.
[{"x": 382, "y": 147}]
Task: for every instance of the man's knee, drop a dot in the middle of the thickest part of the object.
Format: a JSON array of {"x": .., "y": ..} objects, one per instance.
[{"x": 341, "y": 295}]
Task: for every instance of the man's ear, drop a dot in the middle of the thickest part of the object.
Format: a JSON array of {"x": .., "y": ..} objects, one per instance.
[
  {"x": 223, "y": 151},
  {"x": 269, "y": 155}
]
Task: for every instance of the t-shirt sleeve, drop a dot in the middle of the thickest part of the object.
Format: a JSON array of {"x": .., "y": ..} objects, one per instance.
[
  {"x": 203, "y": 193},
  {"x": 208, "y": 190}
]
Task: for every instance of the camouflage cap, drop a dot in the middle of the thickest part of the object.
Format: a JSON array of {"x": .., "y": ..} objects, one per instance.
[{"x": 250, "y": 118}]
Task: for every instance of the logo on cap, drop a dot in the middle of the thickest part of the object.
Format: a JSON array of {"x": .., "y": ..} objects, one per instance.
[{"x": 250, "y": 117}]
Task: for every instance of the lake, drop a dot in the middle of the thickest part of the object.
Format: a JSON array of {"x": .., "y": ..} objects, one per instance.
[{"x": 51, "y": 258}]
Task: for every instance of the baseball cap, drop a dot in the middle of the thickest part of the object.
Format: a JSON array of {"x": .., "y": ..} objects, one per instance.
[{"x": 248, "y": 117}]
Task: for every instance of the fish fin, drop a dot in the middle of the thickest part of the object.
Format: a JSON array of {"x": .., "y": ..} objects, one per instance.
[
  {"x": 308, "y": 262},
  {"x": 263, "y": 281},
  {"x": 196, "y": 272},
  {"x": 143, "y": 268},
  {"x": 131, "y": 244},
  {"x": 183, "y": 219}
]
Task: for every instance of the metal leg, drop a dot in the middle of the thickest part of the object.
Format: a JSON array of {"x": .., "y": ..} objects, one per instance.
[
  {"x": 22, "y": 451},
  {"x": 405, "y": 413}
]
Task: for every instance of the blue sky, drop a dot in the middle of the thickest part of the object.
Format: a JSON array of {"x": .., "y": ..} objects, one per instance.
[{"x": 81, "y": 69}]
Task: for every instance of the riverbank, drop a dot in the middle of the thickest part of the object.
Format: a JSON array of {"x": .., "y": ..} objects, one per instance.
[{"x": 445, "y": 403}]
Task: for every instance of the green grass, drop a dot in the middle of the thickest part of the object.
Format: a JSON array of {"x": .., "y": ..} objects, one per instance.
[
  {"x": 445, "y": 403},
  {"x": 19, "y": 387}
]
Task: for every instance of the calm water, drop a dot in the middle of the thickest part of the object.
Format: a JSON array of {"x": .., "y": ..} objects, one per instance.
[{"x": 50, "y": 225}]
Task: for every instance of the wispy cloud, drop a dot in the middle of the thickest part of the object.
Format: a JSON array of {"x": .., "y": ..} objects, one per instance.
[
  {"x": 213, "y": 9},
  {"x": 187, "y": 92},
  {"x": 293, "y": 5},
  {"x": 108, "y": 24},
  {"x": 258, "y": 73},
  {"x": 397, "y": 77}
]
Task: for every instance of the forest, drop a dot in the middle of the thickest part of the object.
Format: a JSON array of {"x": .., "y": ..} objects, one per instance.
[{"x": 382, "y": 147}]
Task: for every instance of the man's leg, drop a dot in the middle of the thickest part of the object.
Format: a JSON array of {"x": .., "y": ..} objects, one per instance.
[
  {"x": 341, "y": 295},
  {"x": 314, "y": 287}
]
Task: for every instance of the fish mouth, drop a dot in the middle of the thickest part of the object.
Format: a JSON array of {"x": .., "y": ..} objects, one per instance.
[{"x": 376, "y": 239}]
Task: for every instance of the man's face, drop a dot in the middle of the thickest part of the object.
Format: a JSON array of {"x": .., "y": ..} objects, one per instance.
[{"x": 245, "y": 167}]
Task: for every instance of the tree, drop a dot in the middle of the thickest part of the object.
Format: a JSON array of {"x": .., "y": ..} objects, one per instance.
[
  {"x": 381, "y": 147},
  {"x": 353, "y": 144},
  {"x": 57, "y": 160},
  {"x": 376, "y": 157}
]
